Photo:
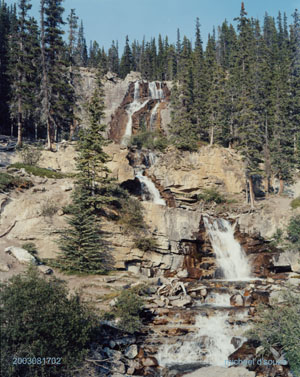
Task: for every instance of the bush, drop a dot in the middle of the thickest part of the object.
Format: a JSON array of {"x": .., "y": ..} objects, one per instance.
[
  {"x": 295, "y": 203},
  {"x": 293, "y": 230},
  {"x": 30, "y": 155},
  {"x": 49, "y": 208},
  {"x": 30, "y": 247},
  {"x": 149, "y": 140},
  {"x": 39, "y": 172},
  {"x": 145, "y": 244},
  {"x": 131, "y": 214},
  {"x": 279, "y": 326},
  {"x": 40, "y": 319},
  {"x": 128, "y": 309},
  {"x": 8, "y": 181},
  {"x": 211, "y": 195}
]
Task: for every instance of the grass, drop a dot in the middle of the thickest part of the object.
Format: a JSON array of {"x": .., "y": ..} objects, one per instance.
[
  {"x": 295, "y": 203},
  {"x": 40, "y": 172}
]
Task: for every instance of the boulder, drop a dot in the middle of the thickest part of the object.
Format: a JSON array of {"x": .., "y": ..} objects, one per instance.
[
  {"x": 45, "y": 270},
  {"x": 182, "y": 302},
  {"x": 22, "y": 255},
  {"x": 221, "y": 372},
  {"x": 4, "y": 267},
  {"x": 131, "y": 351}
]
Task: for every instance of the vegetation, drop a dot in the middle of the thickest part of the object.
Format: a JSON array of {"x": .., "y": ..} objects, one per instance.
[
  {"x": 127, "y": 310},
  {"x": 49, "y": 208},
  {"x": 30, "y": 155},
  {"x": 211, "y": 195},
  {"x": 279, "y": 327},
  {"x": 39, "y": 172},
  {"x": 83, "y": 247},
  {"x": 131, "y": 214},
  {"x": 295, "y": 203},
  {"x": 40, "y": 319},
  {"x": 30, "y": 247},
  {"x": 149, "y": 140},
  {"x": 8, "y": 182},
  {"x": 145, "y": 244},
  {"x": 293, "y": 231}
]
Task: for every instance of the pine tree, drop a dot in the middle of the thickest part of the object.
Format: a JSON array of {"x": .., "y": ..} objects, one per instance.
[
  {"x": 126, "y": 61},
  {"x": 58, "y": 94},
  {"x": 24, "y": 63},
  {"x": 73, "y": 26},
  {"x": 250, "y": 132},
  {"x": 113, "y": 58},
  {"x": 84, "y": 248},
  {"x": 81, "y": 55},
  {"x": 200, "y": 86}
]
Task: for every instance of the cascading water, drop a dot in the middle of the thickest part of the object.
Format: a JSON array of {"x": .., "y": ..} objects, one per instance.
[
  {"x": 153, "y": 191},
  {"x": 212, "y": 342},
  {"x": 153, "y": 116},
  {"x": 229, "y": 253},
  {"x": 134, "y": 106},
  {"x": 154, "y": 92}
]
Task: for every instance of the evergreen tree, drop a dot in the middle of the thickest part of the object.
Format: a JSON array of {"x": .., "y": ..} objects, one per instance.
[
  {"x": 81, "y": 55},
  {"x": 113, "y": 58},
  {"x": 83, "y": 246},
  {"x": 126, "y": 61},
  {"x": 58, "y": 94},
  {"x": 73, "y": 26},
  {"x": 4, "y": 67},
  {"x": 24, "y": 63}
]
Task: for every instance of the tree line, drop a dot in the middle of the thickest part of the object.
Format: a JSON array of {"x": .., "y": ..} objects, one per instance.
[{"x": 240, "y": 91}]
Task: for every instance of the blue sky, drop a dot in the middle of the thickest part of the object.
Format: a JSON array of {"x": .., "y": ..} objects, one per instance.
[{"x": 107, "y": 20}]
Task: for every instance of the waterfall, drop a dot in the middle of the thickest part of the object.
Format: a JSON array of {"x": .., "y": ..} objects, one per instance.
[
  {"x": 133, "y": 107},
  {"x": 153, "y": 116},
  {"x": 153, "y": 191},
  {"x": 154, "y": 92},
  {"x": 230, "y": 255}
]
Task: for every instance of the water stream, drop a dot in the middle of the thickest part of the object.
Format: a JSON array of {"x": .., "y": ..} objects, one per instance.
[
  {"x": 133, "y": 107},
  {"x": 212, "y": 342}
]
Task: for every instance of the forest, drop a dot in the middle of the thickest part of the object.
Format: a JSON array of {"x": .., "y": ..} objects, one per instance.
[{"x": 241, "y": 90}]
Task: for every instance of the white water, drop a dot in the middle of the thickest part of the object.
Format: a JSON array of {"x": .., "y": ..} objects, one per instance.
[
  {"x": 217, "y": 299},
  {"x": 154, "y": 92},
  {"x": 133, "y": 107},
  {"x": 230, "y": 255},
  {"x": 153, "y": 116},
  {"x": 153, "y": 191},
  {"x": 211, "y": 344}
]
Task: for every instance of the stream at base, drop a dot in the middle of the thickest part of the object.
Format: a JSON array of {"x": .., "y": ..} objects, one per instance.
[{"x": 218, "y": 326}]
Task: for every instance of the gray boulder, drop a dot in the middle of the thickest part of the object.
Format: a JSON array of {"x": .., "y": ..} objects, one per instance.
[{"x": 22, "y": 255}]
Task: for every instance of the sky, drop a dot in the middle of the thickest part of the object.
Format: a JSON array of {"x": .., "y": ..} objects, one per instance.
[{"x": 107, "y": 20}]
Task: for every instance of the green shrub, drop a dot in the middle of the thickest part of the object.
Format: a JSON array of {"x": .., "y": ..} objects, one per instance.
[
  {"x": 30, "y": 155},
  {"x": 128, "y": 309},
  {"x": 211, "y": 195},
  {"x": 8, "y": 182},
  {"x": 150, "y": 140},
  {"x": 30, "y": 247},
  {"x": 131, "y": 214},
  {"x": 39, "y": 172},
  {"x": 40, "y": 319},
  {"x": 293, "y": 230},
  {"x": 49, "y": 208},
  {"x": 145, "y": 244},
  {"x": 279, "y": 326},
  {"x": 295, "y": 203}
]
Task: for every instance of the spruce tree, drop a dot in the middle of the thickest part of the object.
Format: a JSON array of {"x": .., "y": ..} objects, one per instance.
[
  {"x": 126, "y": 61},
  {"x": 83, "y": 246},
  {"x": 58, "y": 94},
  {"x": 24, "y": 68},
  {"x": 4, "y": 67}
]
